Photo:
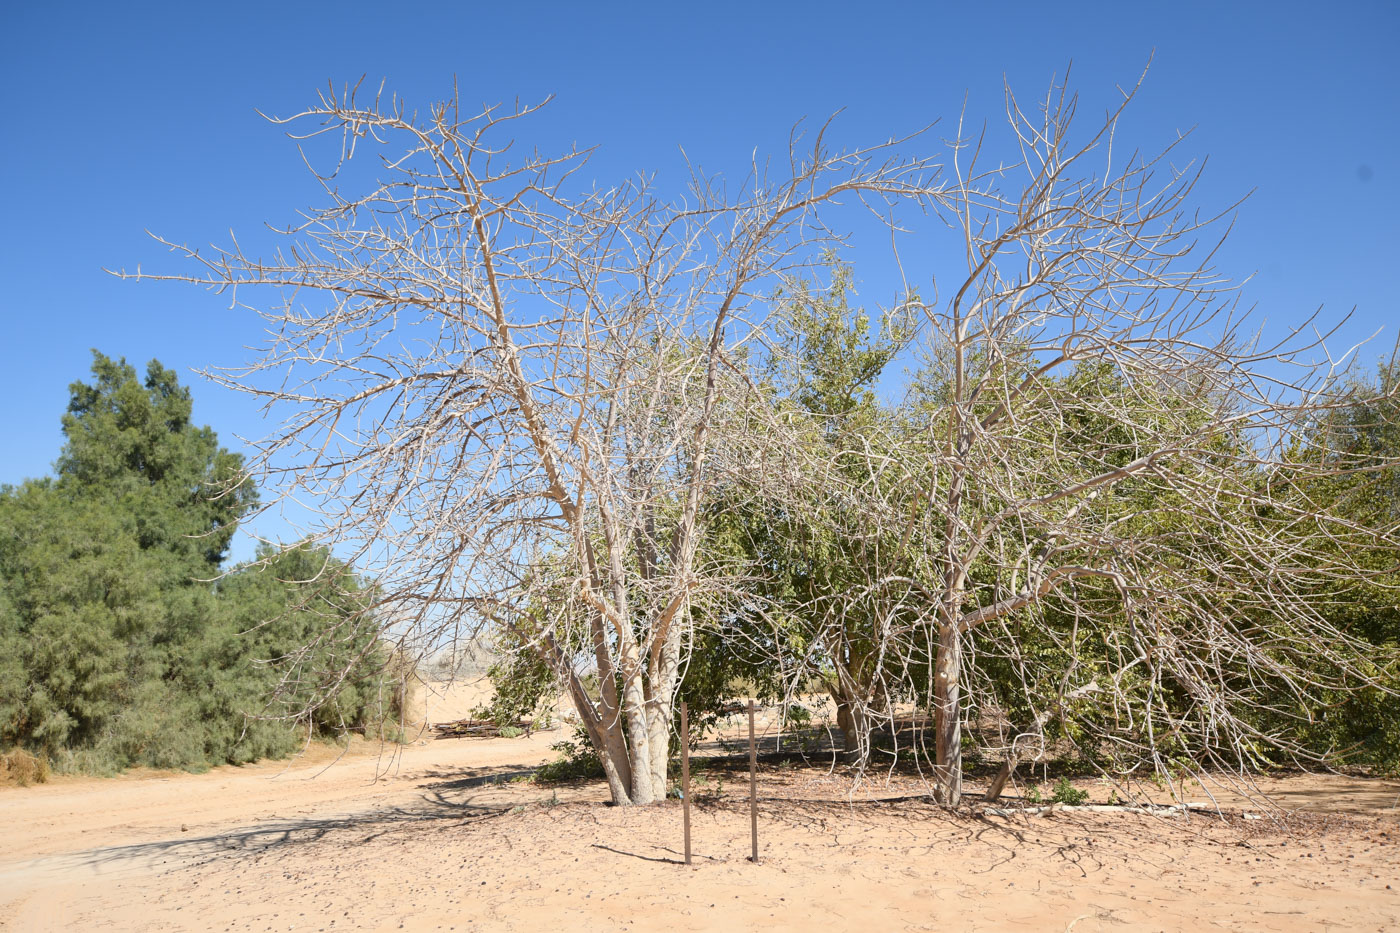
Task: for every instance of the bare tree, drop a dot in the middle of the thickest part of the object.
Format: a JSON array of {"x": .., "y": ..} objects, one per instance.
[
  {"x": 507, "y": 393},
  {"x": 515, "y": 397},
  {"x": 1109, "y": 458}
]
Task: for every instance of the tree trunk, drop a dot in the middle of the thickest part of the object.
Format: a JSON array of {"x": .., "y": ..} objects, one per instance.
[
  {"x": 606, "y": 736},
  {"x": 854, "y": 724},
  {"x": 845, "y": 722},
  {"x": 634, "y": 701},
  {"x": 665, "y": 671},
  {"x": 609, "y": 740},
  {"x": 602, "y": 721},
  {"x": 947, "y": 703},
  {"x": 999, "y": 782}
]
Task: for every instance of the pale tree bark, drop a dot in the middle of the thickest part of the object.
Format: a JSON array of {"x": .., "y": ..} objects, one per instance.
[
  {"x": 947, "y": 709},
  {"x": 507, "y": 393}
]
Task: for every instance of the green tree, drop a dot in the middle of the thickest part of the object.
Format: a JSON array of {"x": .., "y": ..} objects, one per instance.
[
  {"x": 1360, "y": 442},
  {"x": 116, "y": 648},
  {"x": 132, "y": 442},
  {"x": 810, "y": 543},
  {"x": 301, "y": 642}
]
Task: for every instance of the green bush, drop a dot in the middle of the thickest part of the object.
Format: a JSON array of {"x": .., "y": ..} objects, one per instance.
[
  {"x": 1067, "y": 793},
  {"x": 577, "y": 761},
  {"x": 116, "y": 649}
]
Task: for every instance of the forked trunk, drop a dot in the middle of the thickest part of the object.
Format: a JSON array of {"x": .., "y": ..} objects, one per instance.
[
  {"x": 602, "y": 720},
  {"x": 626, "y": 763},
  {"x": 630, "y": 726}
]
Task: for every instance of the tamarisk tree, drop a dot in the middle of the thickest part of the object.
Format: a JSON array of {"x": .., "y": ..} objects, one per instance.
[{"x": 508, "y": 392}]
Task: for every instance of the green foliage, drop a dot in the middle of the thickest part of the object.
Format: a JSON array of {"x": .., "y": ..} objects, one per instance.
[
  {"x": 524, "y": 686},
  {"x": 1362, "y": 726},
  {"x": 1068, "y": 794},
  {"x": 1063, "y": 792},
  {"x": 830, "y": 360},
  {"x": 115, "y": 647},
  {"x": 303, "y": 632},
  {"x": 808, "y": 542},
  {"x": 577, "y": 760},
  {"x": 132, "y": 443}
]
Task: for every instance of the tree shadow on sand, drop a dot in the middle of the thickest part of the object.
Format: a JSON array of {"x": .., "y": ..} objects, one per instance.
[{"x": 441, "y": 804}]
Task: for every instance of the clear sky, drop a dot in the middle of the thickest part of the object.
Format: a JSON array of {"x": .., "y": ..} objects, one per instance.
[{"x": 120, "y": 118}]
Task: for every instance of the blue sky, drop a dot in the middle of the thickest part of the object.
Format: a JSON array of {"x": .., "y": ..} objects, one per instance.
[{"x": 125, "y": 117}]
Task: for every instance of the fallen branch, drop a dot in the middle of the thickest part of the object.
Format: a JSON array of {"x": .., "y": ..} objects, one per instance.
[
  {"x": 1154, "y": 809},
  {"x": 480, "y": 728}
]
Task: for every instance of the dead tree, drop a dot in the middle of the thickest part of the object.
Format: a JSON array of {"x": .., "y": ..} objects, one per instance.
[{"x": 506, "y": 392}]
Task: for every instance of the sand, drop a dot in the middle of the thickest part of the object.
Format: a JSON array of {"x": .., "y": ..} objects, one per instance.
[{"x": 440, "y": 838}]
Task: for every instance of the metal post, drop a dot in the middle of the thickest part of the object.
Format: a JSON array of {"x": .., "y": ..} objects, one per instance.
[
  {"x": 685, "y": 775},
  {"x": 753, "y": 786}
]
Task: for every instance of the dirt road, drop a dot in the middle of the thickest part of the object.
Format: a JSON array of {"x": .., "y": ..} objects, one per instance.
[
  {"x": 432, "y": 841},
  {"x": 68, "y": 838}
]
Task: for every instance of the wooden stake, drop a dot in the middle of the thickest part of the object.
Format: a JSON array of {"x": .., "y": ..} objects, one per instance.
[
  {"x": 753, "y": 786},
  {"x": 685, "y": 775}
]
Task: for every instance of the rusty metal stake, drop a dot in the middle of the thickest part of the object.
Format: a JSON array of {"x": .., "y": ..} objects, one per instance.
[
  {"x": 685, "y": 775},
  {"x": 753, "y": 786}
]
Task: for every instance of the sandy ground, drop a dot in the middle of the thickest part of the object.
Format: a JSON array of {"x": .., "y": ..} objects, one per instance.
[{"x": 440, "y": 839}]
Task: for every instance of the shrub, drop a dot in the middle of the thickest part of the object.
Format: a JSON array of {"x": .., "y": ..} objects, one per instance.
[
  {"x": 577, "y": 761},
  {"x": 18, "y": 766},
  {"x": 1067, "y": 793}
]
